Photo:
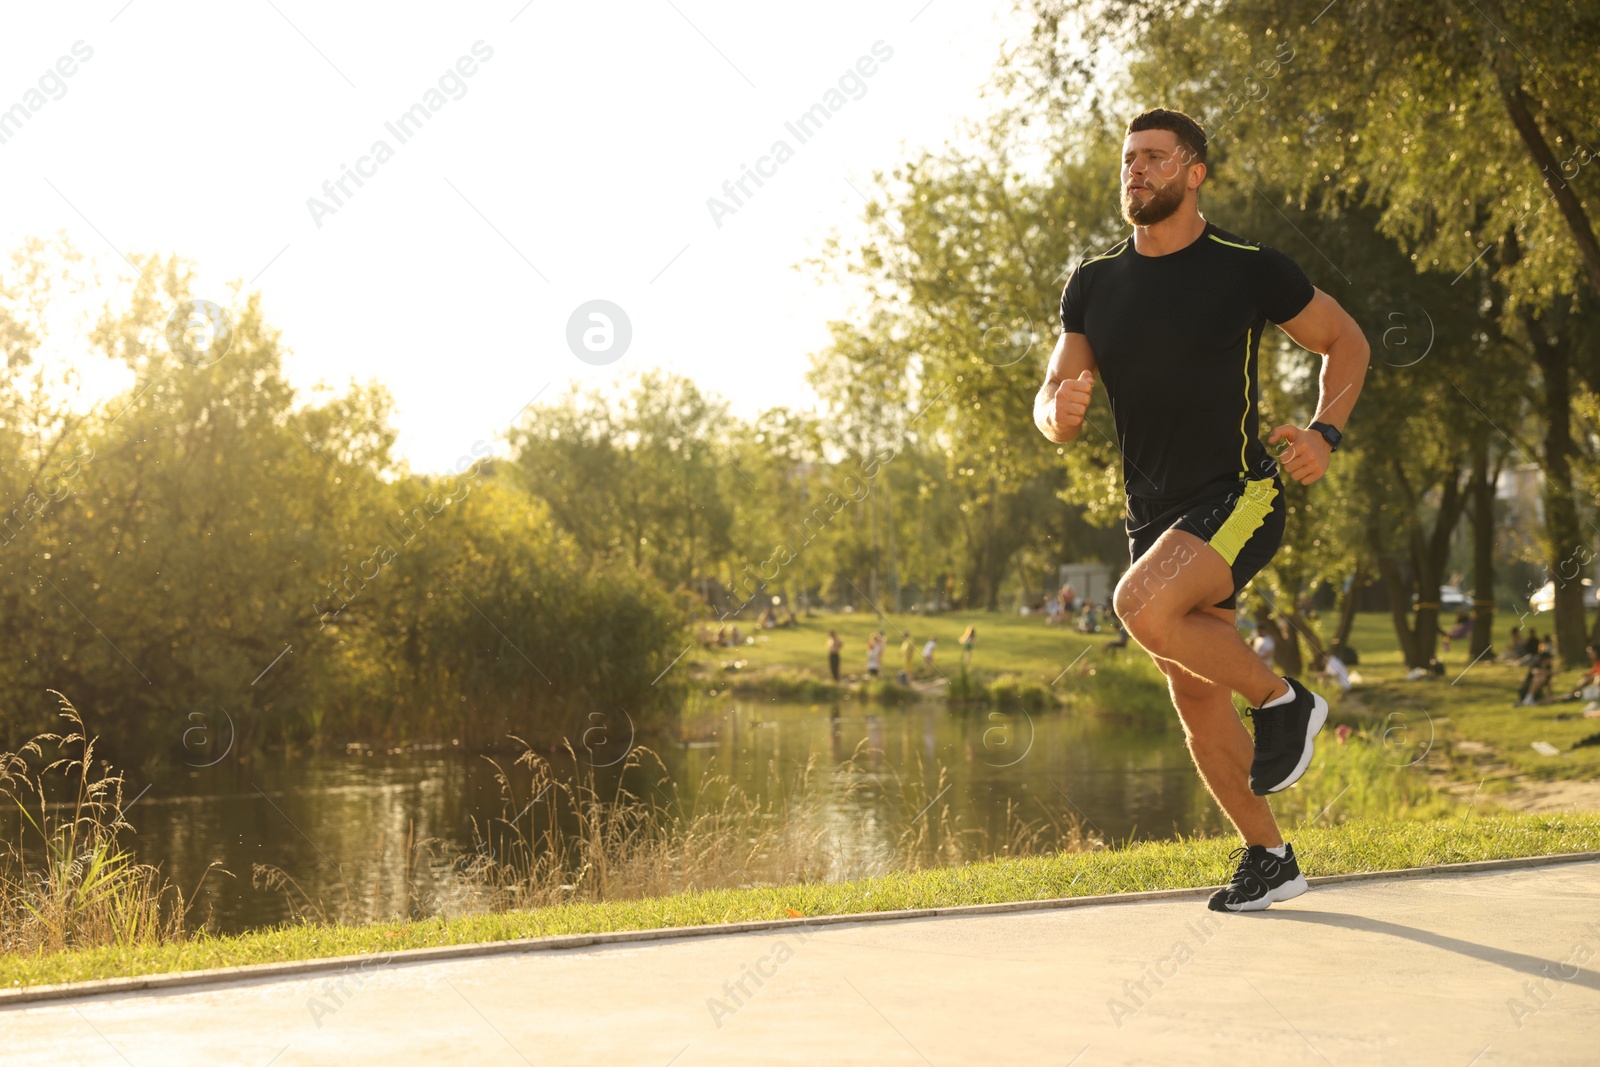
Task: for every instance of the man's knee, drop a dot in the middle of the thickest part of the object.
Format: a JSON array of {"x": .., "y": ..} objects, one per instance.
[
  {"x": 1142, "y": 613},
  {"x": 1131, "y": 598}
]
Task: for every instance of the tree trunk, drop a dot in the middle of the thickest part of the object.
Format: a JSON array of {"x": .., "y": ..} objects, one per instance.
[
  {"x": 1481, "y": 490},
  {"x": 1347, "y": 609},
  {"x": 1565, "y": 542},
  {"x": 1399, "y": 610},
  {"x": 992, "y": 566},
  {"x": 1451, "y": 503},
  {"x": 1429, "y": 551},
  {"x": 1300, "y": 626},
  {"x": 894, "y": 552}
]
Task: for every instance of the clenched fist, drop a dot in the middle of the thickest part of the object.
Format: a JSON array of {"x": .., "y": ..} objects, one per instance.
[
  {"x": 1072, "y": 400},
  {"x": 1306, "y": 458}
]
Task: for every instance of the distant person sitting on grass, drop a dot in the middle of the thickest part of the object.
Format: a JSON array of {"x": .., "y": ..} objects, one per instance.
[
  {"x": 1513, "y": 650},
  {"x": 1264, "y": 644},
  {"x": 1587, "y": 686},
  {"x": 1591, "y": 687},
  {"x": 1334, "y": 670},
  {"x": 1536, "y": 683},
  {"x": 1462, "y": 628}
]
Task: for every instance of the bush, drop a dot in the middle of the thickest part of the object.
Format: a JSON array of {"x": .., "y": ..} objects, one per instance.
[
  {"x": 494, "y": 624},
  {"x": 1012, "y": 691},
  {"x": 885, "y": 691},
  {"x": 964, "y": 689},
  {"x": 1121, "y": 685},
  {"x": 789, "y": 685}
]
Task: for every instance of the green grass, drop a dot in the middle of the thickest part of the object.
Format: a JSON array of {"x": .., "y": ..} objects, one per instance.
[
  {"x": 1354, "y": 846},
  {"x": 1019, "y": 661},
  {"x": 1471, "y": 702},
  {"x": 1007, "y": 644}
]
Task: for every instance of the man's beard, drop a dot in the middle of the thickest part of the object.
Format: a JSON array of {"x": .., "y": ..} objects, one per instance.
[{"x": 1161, "y": 205}]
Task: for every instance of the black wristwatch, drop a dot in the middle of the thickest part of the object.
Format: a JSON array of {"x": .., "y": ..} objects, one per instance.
[{"x": 1329, "y": 434}]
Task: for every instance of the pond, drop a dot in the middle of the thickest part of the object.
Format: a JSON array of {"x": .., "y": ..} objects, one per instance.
[{"x": 337, "y": 824}]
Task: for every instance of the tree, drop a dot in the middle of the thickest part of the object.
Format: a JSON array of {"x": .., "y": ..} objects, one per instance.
[{"x": 639, "y": 477}]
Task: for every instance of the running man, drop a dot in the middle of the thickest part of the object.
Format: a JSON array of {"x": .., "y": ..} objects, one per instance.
[{"x": 1171, "y": 320}]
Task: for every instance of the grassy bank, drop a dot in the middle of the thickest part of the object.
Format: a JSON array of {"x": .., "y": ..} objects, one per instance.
[
  {"x": 1354, "y": 846},
  {"x": 1469, "y": 707},
  {"x": 1007, "y": 644},
  {"x": 1020, "y": 662}
]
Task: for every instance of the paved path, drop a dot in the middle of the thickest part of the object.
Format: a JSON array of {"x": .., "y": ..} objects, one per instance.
[{"x": 1462, "y": 970}]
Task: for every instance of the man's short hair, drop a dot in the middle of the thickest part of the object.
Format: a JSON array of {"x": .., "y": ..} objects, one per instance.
[{"x": 1191, "y": 135}]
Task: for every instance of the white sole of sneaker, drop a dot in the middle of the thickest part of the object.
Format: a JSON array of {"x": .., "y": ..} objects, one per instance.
[
  {"x": 1319, "y": 715},
  {"x": 1286, "y": 891}
]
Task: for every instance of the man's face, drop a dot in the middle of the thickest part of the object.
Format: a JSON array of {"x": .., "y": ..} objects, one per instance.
[{"x": 1155, "y": 176}]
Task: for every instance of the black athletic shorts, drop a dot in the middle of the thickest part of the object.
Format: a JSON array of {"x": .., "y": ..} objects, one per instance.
[{"x": 1242, "y": 520}]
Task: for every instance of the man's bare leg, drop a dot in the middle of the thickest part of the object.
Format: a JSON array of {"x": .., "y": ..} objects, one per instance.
[
  {"x": 1222, "y": 749},
  {"x": 1156, "y": 601},
  {"x": 1167, "y": 601}
]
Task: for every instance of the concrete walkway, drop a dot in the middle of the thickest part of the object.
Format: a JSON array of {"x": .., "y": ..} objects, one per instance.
[{"x": 1462, "y": 970}]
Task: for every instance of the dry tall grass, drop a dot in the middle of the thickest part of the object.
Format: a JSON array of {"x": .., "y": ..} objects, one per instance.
[
  {"x": 818, "y": 823},
  {"x": 67, "y": 881}
]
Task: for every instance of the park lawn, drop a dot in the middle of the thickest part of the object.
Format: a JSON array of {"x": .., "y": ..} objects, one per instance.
[
  {"x": 1358, "y": 845},
  {"x": 1473, "y": 701},
  {"x": 1007, "y": 644},
  {"x": 1476, "y": 699},
  {"x": 1480, "y": 708}
]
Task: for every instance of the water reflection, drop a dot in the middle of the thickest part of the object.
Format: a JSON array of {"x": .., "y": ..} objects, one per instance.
[{"x": 339, "y": 825}]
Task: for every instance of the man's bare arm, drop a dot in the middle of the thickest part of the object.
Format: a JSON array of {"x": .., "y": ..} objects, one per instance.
[
  {"x": 1063, "y": 399},
  {"x": 1327, "y": 329}
]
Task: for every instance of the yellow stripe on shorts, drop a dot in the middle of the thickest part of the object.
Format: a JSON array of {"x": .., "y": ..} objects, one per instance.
[{"x": 1249, "y": 512}]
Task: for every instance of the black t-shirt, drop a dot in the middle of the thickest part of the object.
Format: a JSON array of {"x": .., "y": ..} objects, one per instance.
[{"x": 1176, "y": 338}]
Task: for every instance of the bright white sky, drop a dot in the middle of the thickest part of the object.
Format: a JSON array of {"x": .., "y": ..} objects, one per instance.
[{"x": 584, "y": 151}]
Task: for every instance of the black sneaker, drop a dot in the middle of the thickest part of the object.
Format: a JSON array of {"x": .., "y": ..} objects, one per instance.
[
  {"x": 1285, "y": 739},
  {"x": 1261, "y": 879}
]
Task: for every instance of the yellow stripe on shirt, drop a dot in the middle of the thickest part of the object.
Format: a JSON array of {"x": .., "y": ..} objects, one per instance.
[{"x": 1231, "y": 244}]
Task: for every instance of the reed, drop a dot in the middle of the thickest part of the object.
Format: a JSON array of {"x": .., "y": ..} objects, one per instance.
[
  {"x": 67, "y": 881},
  {"x": 578, "y": 841}
]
